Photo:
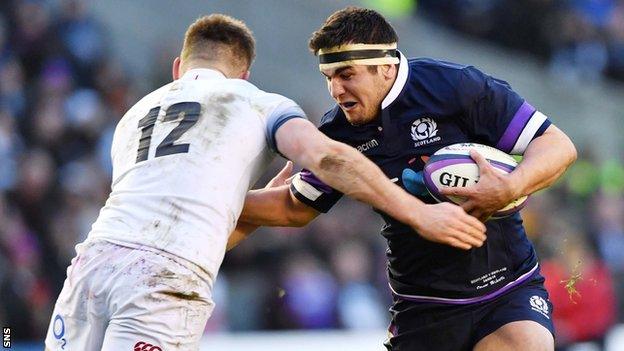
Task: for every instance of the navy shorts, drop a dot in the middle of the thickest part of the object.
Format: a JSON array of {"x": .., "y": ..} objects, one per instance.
[{"x": 432, "y": 326}]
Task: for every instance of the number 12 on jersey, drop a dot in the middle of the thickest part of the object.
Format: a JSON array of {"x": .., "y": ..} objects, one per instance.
[{"x": 188, "y": 114}]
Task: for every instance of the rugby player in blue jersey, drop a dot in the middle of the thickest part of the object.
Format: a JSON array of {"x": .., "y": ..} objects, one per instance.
[{"x": 398, "y": 111}]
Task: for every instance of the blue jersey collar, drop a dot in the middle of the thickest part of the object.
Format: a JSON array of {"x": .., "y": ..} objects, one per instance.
[{"x": 399, "y": 83}]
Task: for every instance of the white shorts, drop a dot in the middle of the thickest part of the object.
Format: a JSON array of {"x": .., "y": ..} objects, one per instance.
[{"x": 117, "y": 298}]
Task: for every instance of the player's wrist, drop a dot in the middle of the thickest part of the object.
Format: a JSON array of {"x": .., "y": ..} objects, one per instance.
[
  {"x": 413, "y": 213},
  {"x": 515, "y": 184}
]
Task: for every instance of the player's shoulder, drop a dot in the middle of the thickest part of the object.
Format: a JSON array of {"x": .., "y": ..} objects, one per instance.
[
  {"x": 424, "y": 67},
  {"x": 443, "y": 76},
  {"x": 269, "y": 101},
  {"x": 146, "y": 103},
  {"x": 151, "y": 99},
  {"x": 334, "y": 124},
  {"x": 331, "y": 117}
]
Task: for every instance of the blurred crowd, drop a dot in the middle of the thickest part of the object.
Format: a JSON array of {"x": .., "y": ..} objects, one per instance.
[
  {"x": 62, "y": 91},
  {"x": 61, "y": 94},
  {"x": 582, "y": 40}
]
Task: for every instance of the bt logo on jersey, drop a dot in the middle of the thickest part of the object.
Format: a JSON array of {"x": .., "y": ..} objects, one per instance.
[{"x": 143, "y": 346}]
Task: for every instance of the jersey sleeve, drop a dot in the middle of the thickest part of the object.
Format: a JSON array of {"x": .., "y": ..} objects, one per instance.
[
  {"x": 496, "y": 115},
  {"x": 310, "y": 190},
  {"x": 276, "y": 109}
]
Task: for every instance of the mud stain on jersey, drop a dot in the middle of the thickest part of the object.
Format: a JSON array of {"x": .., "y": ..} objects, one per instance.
[
  {"x": 183, "y": 295},
  {"x": 165, "y": 273},
  {"x": 218, "y": 110},
  {"x": 176, "y": 211}
]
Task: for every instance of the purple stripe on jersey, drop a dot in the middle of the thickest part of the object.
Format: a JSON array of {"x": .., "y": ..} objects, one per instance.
[
  {"x": 523, "y": 278},
  {"x": 311, "y": 179},
  {"x": 515, "y": 127}
]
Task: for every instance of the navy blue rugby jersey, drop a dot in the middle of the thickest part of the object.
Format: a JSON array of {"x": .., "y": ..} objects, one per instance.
[{"x": 433, "y": 104}]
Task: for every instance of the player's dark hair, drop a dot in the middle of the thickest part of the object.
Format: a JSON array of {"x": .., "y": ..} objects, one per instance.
[
  {"x": 353, "y": 25},
  {"x": 217, "y": 34}
]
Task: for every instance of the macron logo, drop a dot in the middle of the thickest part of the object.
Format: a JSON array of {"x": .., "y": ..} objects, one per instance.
[{"x": 367, "y": 145}]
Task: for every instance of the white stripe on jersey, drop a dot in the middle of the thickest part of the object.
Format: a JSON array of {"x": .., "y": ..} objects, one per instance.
[
  {"x": 528, "y": 133},
  {"x": 307, "y": 190}
]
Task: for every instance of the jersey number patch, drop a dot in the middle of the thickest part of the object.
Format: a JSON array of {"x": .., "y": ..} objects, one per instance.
[{"x": 186, "y": 112}]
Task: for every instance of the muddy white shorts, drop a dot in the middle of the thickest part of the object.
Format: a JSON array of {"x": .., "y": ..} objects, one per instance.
[{"x": 117, "y": 298}]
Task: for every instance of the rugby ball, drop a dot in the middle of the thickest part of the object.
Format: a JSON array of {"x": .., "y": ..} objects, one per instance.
[{"x": 452, "y": 166}]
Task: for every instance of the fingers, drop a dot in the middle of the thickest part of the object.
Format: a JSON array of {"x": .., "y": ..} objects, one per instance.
[
  {"x": 284, "y": 174},
  {"x": 467, "y": 229},
  {"x": 282, "y": 177},
  {"x": 289, "y": 179},
  {"x": 483, "y": 164},
  {"x": 463, "y": 240},
  {"x": 475, "y": 227},
  {"x": 472, "y": 233},
  {"x": 286, "y": 170},
  {"x": 457, "y": 191},
  {"x": 468, "y": 206},
  {"x": 458, "y": 244}
]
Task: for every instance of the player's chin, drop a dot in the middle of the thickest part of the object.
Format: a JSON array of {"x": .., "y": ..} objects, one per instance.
[{"x": 356, "y": 117}]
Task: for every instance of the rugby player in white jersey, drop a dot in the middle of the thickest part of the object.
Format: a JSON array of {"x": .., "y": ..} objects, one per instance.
[{"x": 183, "y": 159}]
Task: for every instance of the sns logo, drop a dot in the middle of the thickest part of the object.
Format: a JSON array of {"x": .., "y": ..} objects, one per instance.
[
  {"x": 58, "y": 329},
  {"x": 538, "y": 304},
  {"x": 143, "y": 346}
]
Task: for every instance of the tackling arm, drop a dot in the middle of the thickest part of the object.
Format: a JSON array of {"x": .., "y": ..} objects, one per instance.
[
  {"x": 348, "y": 171},
  {"x": 276, "y": 207},
  {"x": 272, "y": 206},
  {"x": 345, "y": 169}
]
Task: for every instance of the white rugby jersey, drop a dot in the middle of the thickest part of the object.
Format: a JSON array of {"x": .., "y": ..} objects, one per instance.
[{"x": 183, "y": 159}]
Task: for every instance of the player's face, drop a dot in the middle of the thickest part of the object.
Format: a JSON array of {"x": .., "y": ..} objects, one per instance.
[{"x": 358, "y": 91}]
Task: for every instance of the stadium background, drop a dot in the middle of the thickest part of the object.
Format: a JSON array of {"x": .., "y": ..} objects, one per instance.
[{"x": 70, "y": 68}]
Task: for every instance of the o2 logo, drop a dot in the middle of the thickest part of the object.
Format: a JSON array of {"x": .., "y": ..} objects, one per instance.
[{"x": 58, "y": 329}]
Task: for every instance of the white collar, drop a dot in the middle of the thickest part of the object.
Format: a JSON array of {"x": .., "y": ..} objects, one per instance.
[
  {"x": 202, "y": 73},
  {"x": 399, "y": 83}
]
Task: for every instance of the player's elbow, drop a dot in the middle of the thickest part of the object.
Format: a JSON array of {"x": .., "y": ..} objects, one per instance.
[
  {"x": 559, "y": 141},
  {"x": 570, "y": 151}
]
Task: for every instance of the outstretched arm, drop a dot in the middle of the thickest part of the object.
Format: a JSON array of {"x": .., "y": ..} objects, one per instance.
[
  {"x": 264, "y": 207},
  {"x": 348, "y": 171}
]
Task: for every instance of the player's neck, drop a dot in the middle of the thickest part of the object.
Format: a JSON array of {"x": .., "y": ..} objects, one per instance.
[{"x": 213, "y": 65}]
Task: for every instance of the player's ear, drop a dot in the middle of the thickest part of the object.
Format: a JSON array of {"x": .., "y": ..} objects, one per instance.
[
  {"x": 388, "y": 71},
  {"x": 175, "y": 70},
  {"x": 245, "y": 75}
]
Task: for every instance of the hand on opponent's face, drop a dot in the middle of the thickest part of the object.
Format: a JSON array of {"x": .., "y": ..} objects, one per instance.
[{"x": 493, "y": 191}]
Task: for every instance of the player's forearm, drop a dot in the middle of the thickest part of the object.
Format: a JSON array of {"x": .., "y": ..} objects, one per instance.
[
  {"x": 545, "y": 160},
  {"x": 240, "y": 233},
  {"x": 265, "y": 206},
  {"x": 275, "y": 207},
  {"x": 347, "y": 170}
]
